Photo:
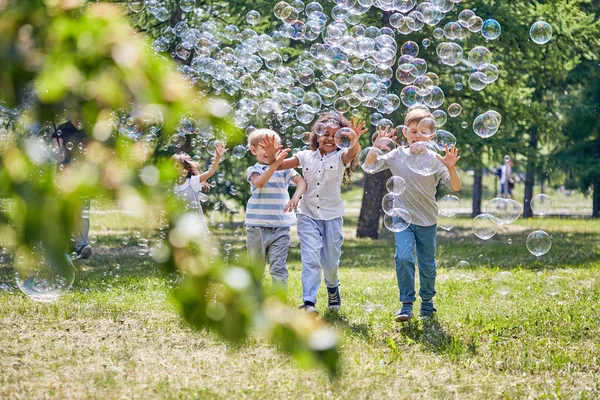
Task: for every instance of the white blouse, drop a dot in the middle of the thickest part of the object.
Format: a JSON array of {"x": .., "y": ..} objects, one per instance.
[{"x": 323, "y": 174}]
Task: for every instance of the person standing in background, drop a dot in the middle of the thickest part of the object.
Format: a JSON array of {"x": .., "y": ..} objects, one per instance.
[
  {"x": 506, "y": 180},
  {"x": 68, "y": 142}
]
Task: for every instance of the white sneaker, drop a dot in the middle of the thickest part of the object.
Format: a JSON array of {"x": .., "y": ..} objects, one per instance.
[{"x": 308, "y": 309}]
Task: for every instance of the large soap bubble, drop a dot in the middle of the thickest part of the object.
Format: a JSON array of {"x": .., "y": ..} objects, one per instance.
[
  {"x": 506, "y": 211},
  {"x": 491, "y": 29},
  {"x": 396, "y": 185},
  {"x": 538, "y": 243},
  {"x": 398, "y": 221},
  {"x": 541, "y": 204},
  {"x": 370, "y": 159},
  {"x": 504, "y": 283},
  {"x": 40, "y": 277},
  {"x": 345, "y": 138},
  {"x": 449, "y": 204},
  {"x": 485, "y": 226},
  {"x": 421, "y": 158},
  {"x": 447, "y": 220},
  {"x": 541, "y": 32},
  {"x": 144, "y": 122}
]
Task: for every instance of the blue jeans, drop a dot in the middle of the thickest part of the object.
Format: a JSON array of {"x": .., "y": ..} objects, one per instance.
[
  {"x": 320, "y": 249},
  {"x": 423, "y": 238}
]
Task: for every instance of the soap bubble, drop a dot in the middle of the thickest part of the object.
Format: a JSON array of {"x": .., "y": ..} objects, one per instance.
[
  {"x": 463, "y": 264},
  {"x": 440, "y": 118},
  {"x": 506, "y": 211},
  {"x": 427, "y": 127},
  {"x": 345, "y": 138},
  {"x": 506, "y": 158},
  {"x": 239, "y": 151},
  {"x": 485, "y": 226},
  {"x": 422, "y": 158},
  {"x": 504, "y": 282},
  {"x": 384, "y": 144},
  {"x": 478, "y": 81},
  {"x": 478, "y": 56},
  {"x": 143, "y": 123},
  {"x": 482, "y": 129},
  {"x": 40, "y": 277},
  {"x": 253, "y": 17},
  {"x": 398, "y": 220},
  {"x": 541, "y": 32},
  {"x": 447, "y": 220},
  {"x": 454, "y": 110},
  {"x": 370, "y": 159},
  {"x": 553, "y": 285},
  {"x": 137, "y": 5},
  {"x": 541, "y": 204},
  {"x": 391, "y": 202},
  {"x": 396, "y": 185},
  {"x": 442, "y": 139},
  {"x": 449, "y": 204},
  {"x": 538, "y": 243},
  {"x": 490, "y": 29}
]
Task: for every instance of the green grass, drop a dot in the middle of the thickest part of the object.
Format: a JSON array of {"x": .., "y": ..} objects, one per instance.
[{"x": 117, "y": 333}]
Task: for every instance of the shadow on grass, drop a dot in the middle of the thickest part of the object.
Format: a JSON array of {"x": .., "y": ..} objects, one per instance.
[
  {"x": 340, "y": 321},
  {"x": 430, "y": 332}
]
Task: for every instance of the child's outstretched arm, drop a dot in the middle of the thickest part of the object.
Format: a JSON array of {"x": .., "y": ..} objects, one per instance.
[
  {"x": 300, "y": 189},
  {"x": 358, "y": 126},
  {"x": 220, "y": 150},
  {"x": 271, "y": 148},
  {"x": 261, "y": 180},
  {"x": 450, "y": 160}
]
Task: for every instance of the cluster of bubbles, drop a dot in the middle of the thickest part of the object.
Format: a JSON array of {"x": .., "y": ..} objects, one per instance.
[
  {"x": 345, "y": 64},
  {"x": 396, "y": 217},
  {"x": 505, "y": 282}
]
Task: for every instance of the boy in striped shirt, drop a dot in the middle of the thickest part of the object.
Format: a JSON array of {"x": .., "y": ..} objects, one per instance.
[{"x": 270, "y": 211}]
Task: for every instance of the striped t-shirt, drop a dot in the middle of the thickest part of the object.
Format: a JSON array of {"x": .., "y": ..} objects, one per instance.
[{"x": 266, "y": 204}]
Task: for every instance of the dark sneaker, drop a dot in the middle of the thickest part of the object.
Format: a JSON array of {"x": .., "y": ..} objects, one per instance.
[
  {"x": 427, "y": 309},
  {"x": 334, "y": 299},
  {"x": 309, "y": 309},
  {"x": 405, "y": 313},
  {"x": 84, "y": 253}
]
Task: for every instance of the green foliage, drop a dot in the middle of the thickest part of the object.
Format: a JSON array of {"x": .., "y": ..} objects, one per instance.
[{"x": 63, "y": 58}]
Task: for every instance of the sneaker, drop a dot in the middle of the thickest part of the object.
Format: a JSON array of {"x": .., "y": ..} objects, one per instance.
[
  {"x": 84, "y": 253},
  {"x": 405, "y": 313},
  {"x": 427, "y": 308},
  {"x": 309, "y": 309},
  {"x": 334, "y": 299}
]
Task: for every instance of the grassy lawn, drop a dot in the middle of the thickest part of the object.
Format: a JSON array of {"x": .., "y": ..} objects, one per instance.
[{"x": 117, "y": 334}]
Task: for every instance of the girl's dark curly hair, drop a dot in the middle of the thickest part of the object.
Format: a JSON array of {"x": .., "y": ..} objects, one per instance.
[
  {"x": 342, "y": 122},
  {"x": 188, "y": 163}
]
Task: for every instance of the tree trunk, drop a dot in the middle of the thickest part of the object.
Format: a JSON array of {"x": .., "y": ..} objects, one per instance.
[
  {"x": 596, "y": 202},
  {"x": 370, "y": 209},
  {"x": 477, "y": 192},
  {"x": 530, "y": 175}
]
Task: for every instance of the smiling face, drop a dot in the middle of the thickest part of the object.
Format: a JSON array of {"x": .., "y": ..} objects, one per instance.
[
  {"x": 261, "y": 154},
  {"x": 327, "y": 140}
]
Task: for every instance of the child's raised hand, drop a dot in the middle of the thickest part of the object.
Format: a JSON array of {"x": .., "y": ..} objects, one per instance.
[
  {"x": 220, "y": 150},
  {"x": 268, "y": 143},
  {"x": 385, "y": 133},
  {"x": 358, "y": 126},
  {"x": 451, "y": 157},
  {"x": 281, "y": 156}
]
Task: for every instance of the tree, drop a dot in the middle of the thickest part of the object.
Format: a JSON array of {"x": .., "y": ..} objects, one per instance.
[
  {"x": 579, "y": 154},
  {"x": 90, "y": 60}
]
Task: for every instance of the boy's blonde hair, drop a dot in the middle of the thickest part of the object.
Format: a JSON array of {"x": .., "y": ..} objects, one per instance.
[
  {"x": 416, "y": 115},
  {"x": 255, "y": 137}
]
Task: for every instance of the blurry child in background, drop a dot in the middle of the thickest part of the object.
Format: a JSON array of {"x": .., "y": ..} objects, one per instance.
[
  {"x": 321, "y": 209},
  {"x": 190, "y": 181},
  {"x": 270, "y": 211}
]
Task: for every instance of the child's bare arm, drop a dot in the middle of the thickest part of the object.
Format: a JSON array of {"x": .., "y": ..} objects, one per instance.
[
  {"x": 261, "y": 180},
  {"x": 289, "y": 163},
  {"x": 450, "y": 160},
  {"x": 300, "y": 189},
  {"x": 220, "y": 150},
  {"x": 358, "y": 126}
]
